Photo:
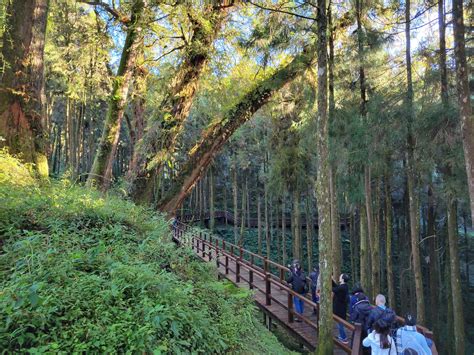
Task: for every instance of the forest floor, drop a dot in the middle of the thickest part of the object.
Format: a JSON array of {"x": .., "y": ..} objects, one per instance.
[{"x": 84, "y": 273}]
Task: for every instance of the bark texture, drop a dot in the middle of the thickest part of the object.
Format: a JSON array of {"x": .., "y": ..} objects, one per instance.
[
  {"x": 464, "y": 98},
  {"x": 325, "y": 345},
  {"x": 22, "y": 83},
  {"x": 101, "y": 171}
]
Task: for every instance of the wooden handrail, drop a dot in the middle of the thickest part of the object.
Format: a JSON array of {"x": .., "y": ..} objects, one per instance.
[{"x": 200, "y": 242}]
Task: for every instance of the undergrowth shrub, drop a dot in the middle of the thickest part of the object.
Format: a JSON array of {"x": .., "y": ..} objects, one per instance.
[{"x": 83, "y": 273}]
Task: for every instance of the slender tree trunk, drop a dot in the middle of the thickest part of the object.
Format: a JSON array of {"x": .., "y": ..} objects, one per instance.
[
  {"x": 283, "y": 228},
  {"x": 22, "y": 84},
  {"x": 325, "y": 346},
  {"x": 101, "y": 172},
  {"x": 411, "y": 178},
  {"x": 267, "y": 230},
  {"x": 201, "y": 155},
  {"x": 335, "y": 228},
  {"x": 247, "y": 197},
  {"x": 388, "y": 242},
  {"x": 236, "y": 207},
  {"x": 309, "y": 237},
  {"x": 364, "y": 253},
  {"x": 225, "y": 201},
  {"x": 296, "y": 225},
  {"x": 259, "y": 224},
  {"x": 243, "y": 214},
  {"x": 433, "y": 266},
  {"x": 211, "y": 201},
  {"x": 464, "y": 97},
  {"x": 456, "y": 291},
  {"x": 466, "y": 249}
]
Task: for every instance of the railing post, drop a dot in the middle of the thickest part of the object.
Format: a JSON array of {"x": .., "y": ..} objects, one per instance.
[
  {"x": 282, "y": 276},
  {"x": 251, "y": 278},
  {"x": 203, "y": 245},
  {"x": 209, "y": 248},
  {"x": 252, "y": 261},
  {"x": 226, "y": 264},
  {"x": 290, "y": 308},
  {"x": 268, "y": 288},
  {"x": 217, "y": 253},
  {"x": 237, "y": 270},
  {"x": 357, "y": 340}
]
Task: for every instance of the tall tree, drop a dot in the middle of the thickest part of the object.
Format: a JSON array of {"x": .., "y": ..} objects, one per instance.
[
  {"x": 158, "y": 144},
  {"x": 101, "y": 171},
  {"x": 22, "y": 83},
  {"x": 325, "y": 346},
  {"x": 411, "y": 176},
  {"x": 464, "y": 96}
]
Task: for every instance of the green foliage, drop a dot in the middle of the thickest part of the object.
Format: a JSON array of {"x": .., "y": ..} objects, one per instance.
[
  {"x": 13, "y": 171},
  {"x": 83, "y": 273}
]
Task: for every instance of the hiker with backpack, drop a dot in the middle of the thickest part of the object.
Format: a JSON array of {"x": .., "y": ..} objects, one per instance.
[
  {"x": 360, "y": 312},
  {"x": 381, "y": 311},
  {"x": 297, "y": 280},
  {"x": 408, "y": 338},
  {"x": 379, "y": 340},
  {"x": 340, "y": 302},
  {"x": 354, "y": 292}
]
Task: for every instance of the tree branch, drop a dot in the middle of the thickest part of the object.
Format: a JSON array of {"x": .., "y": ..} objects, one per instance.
[
  {"x": 282, "y": 11},
  {"x": 112, "y": 11}
]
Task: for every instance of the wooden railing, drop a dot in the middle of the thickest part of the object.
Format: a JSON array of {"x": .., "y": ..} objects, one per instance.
[{"x": 248, "y": 267}]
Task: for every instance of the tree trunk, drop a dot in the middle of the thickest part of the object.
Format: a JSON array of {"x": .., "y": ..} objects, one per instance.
[
  {"x": 283, "y": 228},
  {"x": 309, "y": 237},
  {"x": 236, "y": 202},
  {"x": 335, "y": 228},
  {"x": 267, "y": 231},
  {"x": 201, "y": 155},
  {"x": 22, "y": 83},
  {"x": 101, "y": 172},
  {"x": 243, "y": 215},
  {"x": 211, "y": 201},
  {"x": 464, "y": 99},
  {"x": 158, "y": 144},
  {"x": 456, "y": 291},
  {"x": 466, "y": 250},
  {"x": 364, "y": 253},
  {"x": 296, "y": 225},
  {"x": 325, "y": 346},
  {"x": 433, "y": 266},
  {"x": 388, "y": 242},
  {"x": 411, "y": 179},
  {"x": 259, "y": 225}
]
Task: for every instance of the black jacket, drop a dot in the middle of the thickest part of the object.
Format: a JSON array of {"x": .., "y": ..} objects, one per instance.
[
  {"x": 340, "y": 300},
  {"x": 387, "y": 314},
  {"x": 297, "y": 279},
  {"x": 360, "y": 313}
]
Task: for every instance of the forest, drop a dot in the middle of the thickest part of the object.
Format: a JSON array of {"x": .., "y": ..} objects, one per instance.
[{"x": 338, "y": 133}]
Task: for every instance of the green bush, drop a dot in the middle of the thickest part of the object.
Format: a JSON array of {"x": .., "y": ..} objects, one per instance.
[{"x": 83, "y": 273}]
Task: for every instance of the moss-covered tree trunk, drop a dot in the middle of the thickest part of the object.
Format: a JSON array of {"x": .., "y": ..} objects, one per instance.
[
  {"x": 158, "y": 144},
  {"x": 309, "y": 235},
  {"x": 236, "y": 202},
  {"x": 325, "y": 344},
  {"x": 364, "y": 252},
  {"x": 101, "y": 171},
  {"x": 201, "y": 155},
  {"x": 283, "y": 227},
  {"x": 22, "y": 83},
  {"x": 411, "y": 178},
  {"x": 296, "y": 225},
  {"x": 211, "y": 201},
  {"x": 454, "y": 267},
  {"x": 259, "y": 225},
  {"x": 464, "y": 97}
]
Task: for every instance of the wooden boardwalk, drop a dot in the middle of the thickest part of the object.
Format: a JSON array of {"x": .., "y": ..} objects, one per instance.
[{"x": 271, "y": 293}]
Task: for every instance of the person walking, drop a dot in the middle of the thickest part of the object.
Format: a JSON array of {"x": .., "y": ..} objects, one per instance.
[
  {"x": 297, "y": 280},
  {"x": 407, "y": 337},
  {"x": 379, "y": 340},
  {"x": 339, "y": 304},
  {"x": 360, "y": 312},
  {"x": 381, "y": 311},
  {"x": 354, "y": 292}
]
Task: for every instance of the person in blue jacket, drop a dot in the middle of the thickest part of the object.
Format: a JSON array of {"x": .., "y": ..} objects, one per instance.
[
  {"x": 407, "y": 337},
  {"x": 381, "y": 311}
]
